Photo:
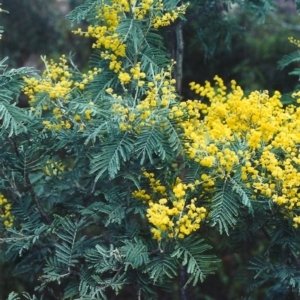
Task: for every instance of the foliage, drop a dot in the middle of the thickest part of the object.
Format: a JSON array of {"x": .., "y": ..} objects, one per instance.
[
  {"x": 108, "y": 181},
  {"x": 240, "y": 46},
  {"x": 44, "y": 26}
]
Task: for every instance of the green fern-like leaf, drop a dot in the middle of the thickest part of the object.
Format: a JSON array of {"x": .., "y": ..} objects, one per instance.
[
  {"x": 11, "y": 81},
  {"x": 112, "y": 155},
  {"x": 88, "y": 288},
  {"x": 114, "y": 210},
  {"x": 104, "y": 260},
  {"x": 238, "y": 188},
  {"x": 12, "y": 117},
  {"x": 224, "y": 209},
  {"x": 162, "y": 265},
  {"x": 193, "y": 171},
  {"x": 67, "y": 250},
  {"x": 288, "y": 59},
  {"x": 153, "y": 60},
  {"x": 149, "y": 142},
  {"x": 190, "y": 253},
  {"x": 96, "y": 88},
  {"x": 81, "y": 12},
  {"x": 174, "y": 138},
  {"x": 96, "y": 131},
  {"x": 54, "y": 270},
  {"x": 13, "y": 296},
  {"x": 135, "y": 253},
  {"x": 295, "y": 72}
]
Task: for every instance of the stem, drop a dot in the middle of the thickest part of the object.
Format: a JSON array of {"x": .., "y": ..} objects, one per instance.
[
  {"x": 182, "y": 276},
  {"x": 140, "y": 294},
  {"x": 179, "y": 56}
]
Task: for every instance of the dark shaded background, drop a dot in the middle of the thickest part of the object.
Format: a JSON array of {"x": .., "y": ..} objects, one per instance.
[{"x": 35, "y": 27}]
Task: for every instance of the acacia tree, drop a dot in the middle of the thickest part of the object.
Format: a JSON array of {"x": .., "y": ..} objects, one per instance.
[{"x": 109, "y": 181}]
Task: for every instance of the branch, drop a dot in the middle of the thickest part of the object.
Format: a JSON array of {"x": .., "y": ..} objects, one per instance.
[
  {"x": 179, "y": 56},
  {"x": 40, "y": 209},
  {"x": 182, "y": 281},
  {"x": 139, "y": 294}
]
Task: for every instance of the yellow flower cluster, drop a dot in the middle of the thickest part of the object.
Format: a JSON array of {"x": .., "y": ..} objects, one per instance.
[
  {"x": 60, "y": 120},
  {"x": 157, "y": 12},
  {"x": 160, "y": 94},
  {"x": 155, "y": 184},
  {"x": 296, "y": 221},
  {"x": 5, "y": 212},
  {"x": 109, "y": 16},
  {"x": 87, "y": 114},
  {"x": 270, "y": 159},
  {"x": 55, "y": 81},
  {"x": 86, "y": 78},
  {"x": 294, "y": 41},
  {"x": 124, "y": 77},
  {"x": 141, "y": 9},
  {"x": 105, "y": 33},
  {"x": 168, "y": 212},
  {"x": 208, "y": 183},
  {"x": 124, "y": 112},
  {"x": 165, "y": 19},
  {"x": 57, "y": 126},
  {"x": 137, "y": 74}
]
